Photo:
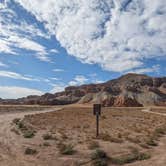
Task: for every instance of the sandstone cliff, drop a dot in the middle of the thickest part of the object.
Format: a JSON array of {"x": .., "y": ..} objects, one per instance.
[{"x": 128, "y": 90}]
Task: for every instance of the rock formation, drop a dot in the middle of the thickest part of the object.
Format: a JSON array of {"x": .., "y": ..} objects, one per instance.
[{"x": 128, "y": 90}]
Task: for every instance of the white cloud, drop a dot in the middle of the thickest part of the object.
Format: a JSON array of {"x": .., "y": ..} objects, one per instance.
[
  {"x": 3, "y": 65},
  {"x": 116, "y": 34},
  {"x": 58, "y": 88},
  {"x": 14, "y": 75},
  {"x": 58, "y": 70},
  {"x": 94, "y": 78},
  {"x": 16, "y": 34},
  {"x": 54, "y": 78},
  {"x": 55, "y": 51},
  {"x": 30, "y": 45},
  {"x": 78, "y": 80},
  {"x": 14, "y": 92},
  {"x": 154, "y": 68}
]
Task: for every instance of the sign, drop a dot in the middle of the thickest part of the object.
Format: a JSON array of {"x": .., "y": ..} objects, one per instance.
[
  {"x": 97, "y": 112},
  {"x": 97, "y": 109}
]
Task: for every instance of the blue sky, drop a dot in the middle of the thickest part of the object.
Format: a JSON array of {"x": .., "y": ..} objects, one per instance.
[{"x": 63, "y": 43}]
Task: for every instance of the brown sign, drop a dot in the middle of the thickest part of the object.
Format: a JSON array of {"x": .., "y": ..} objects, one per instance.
[{"x": 97, "y": 109}]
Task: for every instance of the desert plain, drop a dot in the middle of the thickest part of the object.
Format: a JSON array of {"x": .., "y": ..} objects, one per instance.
[{"x": 66, "y": 136}]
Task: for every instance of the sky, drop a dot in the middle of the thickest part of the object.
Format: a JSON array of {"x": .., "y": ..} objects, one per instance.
[{"x": 48, "y": 45}]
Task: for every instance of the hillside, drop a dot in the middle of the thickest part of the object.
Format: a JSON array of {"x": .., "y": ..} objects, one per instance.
[{"x": 127, "y": 90}]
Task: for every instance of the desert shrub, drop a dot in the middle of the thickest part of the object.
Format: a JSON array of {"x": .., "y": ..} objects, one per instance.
[
  {"x": 100, "y": 162},
  {"x": 30, "y": 151},
  {"x": 143, "y": 156},
  {"x": 46, "y": 144},
  {"x": 29, "y": 134},
  {"x": 48, "y": 137},
  {"x": 98, "y": 154},
  {"x": 25, "y": 130},
  {"x": 66, "y": 149},
  {"x": 93, "y": 145},
  {"x": 16, "y": 120},
  {"x": 99, "y": 158},
  {"x": 160, "y": 131},
  {"x": 144, "y": 145},
  {"x": 21, "y": 125},
  {"x": 132, "y": 157},
  {"x": 150, "y": 141}
]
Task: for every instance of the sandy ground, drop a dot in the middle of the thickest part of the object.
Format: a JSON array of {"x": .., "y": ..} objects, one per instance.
[
  {"x": 79, "y": 129},
  {"x": 12, "y": 146}
]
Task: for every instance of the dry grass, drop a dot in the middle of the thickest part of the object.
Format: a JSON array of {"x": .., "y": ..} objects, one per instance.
[
  {"x": 93, "y": 145},
  {"x": 25, "y": 129},
  {"x": 66, "y": 149},
  {"x": 119, "y": 127},
  {"x": 132, "y": 157}
]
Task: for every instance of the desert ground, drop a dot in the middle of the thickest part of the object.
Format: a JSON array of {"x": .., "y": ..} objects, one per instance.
[{"x": 66, "y": 136}]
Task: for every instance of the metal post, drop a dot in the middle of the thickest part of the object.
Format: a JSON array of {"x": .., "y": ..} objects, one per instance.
[
  {"x": 97, "y": 112},
  {"x": 97, "y": 125}
]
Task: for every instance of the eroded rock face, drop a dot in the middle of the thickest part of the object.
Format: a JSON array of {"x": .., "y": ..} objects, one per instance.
[
  {"x": 129, "y": 90},
  {"x": 123, "y": 101}
]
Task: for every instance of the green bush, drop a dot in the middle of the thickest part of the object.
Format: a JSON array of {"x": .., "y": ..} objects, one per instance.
[
  {"x": 29, "y": 134},
  {"x": 99, "y": 158}
]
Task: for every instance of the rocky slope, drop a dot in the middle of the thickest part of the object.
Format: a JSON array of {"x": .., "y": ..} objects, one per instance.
[{"x": 128, "y": 90}]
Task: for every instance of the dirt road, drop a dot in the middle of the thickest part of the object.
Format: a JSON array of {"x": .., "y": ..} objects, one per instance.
[
  {"x": 151, "y": 112},
  {"x": 11, "y": 145}
]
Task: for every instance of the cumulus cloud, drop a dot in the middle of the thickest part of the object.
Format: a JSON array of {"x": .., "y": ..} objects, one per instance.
[
  {"x": 116, "y": 34},
  {"x": 14, "y": 92}
]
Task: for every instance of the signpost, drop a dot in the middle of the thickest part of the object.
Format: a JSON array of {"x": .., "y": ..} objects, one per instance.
[{"x": 97, "y": 112}]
